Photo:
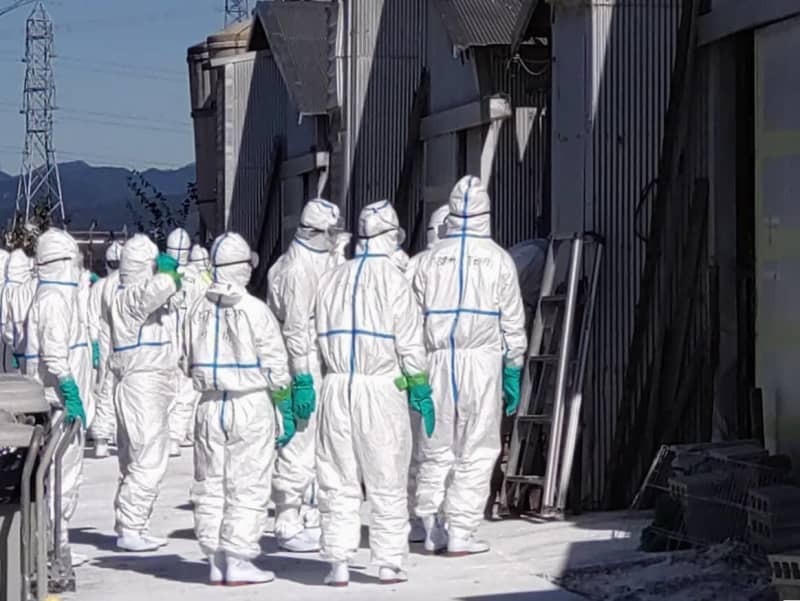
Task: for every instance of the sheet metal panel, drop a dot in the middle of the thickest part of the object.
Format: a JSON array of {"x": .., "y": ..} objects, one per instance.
[
  {"x": 255, "y": 110},
  {"x": 384, "y": 67},
  {"x": 472, "y": 23},
  {"x": 631, "y": 54}
]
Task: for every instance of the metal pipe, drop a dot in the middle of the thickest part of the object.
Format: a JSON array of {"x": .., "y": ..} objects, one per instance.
[
  {"x": 26, "y": 552},
  {"x": 554, "y": 447},
  {"x": 43, "y": 508},
  {"x": 577, "y": 386},
  {"x": 63, "y": 445}
]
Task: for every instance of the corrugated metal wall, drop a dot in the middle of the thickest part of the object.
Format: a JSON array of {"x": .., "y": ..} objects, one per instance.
[
  {"x": 255, "y": 110},
  {"x": 385, "y": 65},
  {"x": 519, "y": 181},
  {"x": 633, "y": 47}
]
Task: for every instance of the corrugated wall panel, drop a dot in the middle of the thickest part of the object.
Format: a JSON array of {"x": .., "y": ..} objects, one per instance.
[
  {"x": 632, "y": 54},
  {"x": 519, "y": 181},
  {"x": 385, "y": 67},
  {"x": 256, "y": 115}
]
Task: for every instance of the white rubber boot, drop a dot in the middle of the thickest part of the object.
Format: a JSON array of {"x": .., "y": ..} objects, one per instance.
[
  {"x": 417, "y": 532},
  {"x": 174, "y": 448},
  {"x": 216, "y": 569},
  {"x": 100, "y": 448},
  {"x": 461, "y": 547},
  {"x": 129, "y": 540},
  {"x": 339, "y": 574},
  {"x": 240, "y": 572},
  {"x": 156, "y": 540},
  {"x": 435, "y": 535},
  {"x": 305, "y": 541},
  {"x": 392, "y": 576}
]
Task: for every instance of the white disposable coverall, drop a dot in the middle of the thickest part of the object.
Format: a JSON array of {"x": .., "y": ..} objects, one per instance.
[
  {"x": 56, "y": 346},
  {"x": 292, "y": 288},
  {"x": 236, "y": 357},
  {"x": 16, "y": 300},
  {"x": 435, "y": 230},
  {"x": 105, "y": 422},
  {"x": 370, "y": 333},
  {"x": 143, "y": 364},
  {"x": 7, "y": 364},
  {"x": 474, "y": 324},
  {"x": 193, "y": 286}
]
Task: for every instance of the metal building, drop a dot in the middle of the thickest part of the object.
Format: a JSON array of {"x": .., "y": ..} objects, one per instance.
[{"x": 604, "y": 115}]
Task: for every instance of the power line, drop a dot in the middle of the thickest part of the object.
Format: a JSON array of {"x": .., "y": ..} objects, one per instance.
[
  {"x": 109, "y": 123},
  {"x": 89, "y": 67},
  {"x": 138, "y": 119},
  {"x": 109, "y": 160}
]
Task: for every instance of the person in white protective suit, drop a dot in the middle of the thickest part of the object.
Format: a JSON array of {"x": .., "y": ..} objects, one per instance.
[
  {"x": 370, "y": 335},
  {"x": 8, "y": 353},
  {"x": 237, "y": 359},
  {"x": 56, "y": 350},
  {"x": 435, "y": 232},
  {"x": 17, "y": 297},
  {"x": 475, "y": 333},
  {"x": 143, "y": 363},
  {"x": 104, "y": 425},
  {"x": 201, "y": 261},
  {"x": 179, "y": 246},
  {"x": 292, "y": 287}
]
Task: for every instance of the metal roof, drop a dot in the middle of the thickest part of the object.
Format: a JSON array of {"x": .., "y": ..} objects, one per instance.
[
  {"x": 297, "y": 33},
  {"x": 471, "y": 23}
]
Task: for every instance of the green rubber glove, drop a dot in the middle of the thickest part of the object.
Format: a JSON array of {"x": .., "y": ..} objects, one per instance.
[
  {"x": 95, "y": 354},
  {"x": 14, "y": 362},
  {"x": 511, "y": 386},
  {"x": 419, "y": 399},
  {"x": 283, "y": 401},
  {"x": 304, "y": 399},
  {"x": 168, "y": 265},
  {"x": 72, "y": 399},
  {"x": 94, "y": 278}
]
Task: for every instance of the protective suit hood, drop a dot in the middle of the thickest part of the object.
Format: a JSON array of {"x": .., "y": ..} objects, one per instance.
[
  {"x": 199, "y": 256},
  {"x": 437, "y": 225},
  {"x": 138, "y": 259},
  {"x": 19, "y": 267},
  {"x": 56, "y": 257},
  {"x": 231, "y": 261},
  {"x": 114, "y": 252},
  {"x": 320, "y": 222},
  {"x": 179, "y": 245},
  {"x": 470, "y": 209},
  {"x": 379, "y": 230}
]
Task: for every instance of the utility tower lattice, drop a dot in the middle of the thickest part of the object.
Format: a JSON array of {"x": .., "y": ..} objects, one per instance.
[
  {"x": 235, "y": 11},
  {"x": 39, "y": 182}
]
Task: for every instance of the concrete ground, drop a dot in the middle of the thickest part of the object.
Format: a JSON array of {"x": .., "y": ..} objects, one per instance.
[{"x": 523, "y": 554}]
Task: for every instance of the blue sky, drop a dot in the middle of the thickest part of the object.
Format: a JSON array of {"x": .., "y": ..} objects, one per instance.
[{"x": 121, "y": 80}]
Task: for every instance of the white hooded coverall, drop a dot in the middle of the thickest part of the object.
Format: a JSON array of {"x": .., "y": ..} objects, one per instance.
[
  {"x": 474, "y": 325},
  {"x": 143, "y": 363},
  {"x": 7, "y": 363},
  {"x": 56, "y": 346},
  {"x": 292, "y": 288},
  {"x": 104, "y": 425},
  {"x": 236, "y": 357},
  {"x": 16, "y": 298},
  {"x": 435, "y": 230},
  {"x": 179, "y": 246},
  {"x": 370, "y": 333}
]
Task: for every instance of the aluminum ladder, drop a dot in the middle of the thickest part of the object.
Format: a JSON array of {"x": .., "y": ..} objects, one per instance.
[{"x": 546, "y": 426}]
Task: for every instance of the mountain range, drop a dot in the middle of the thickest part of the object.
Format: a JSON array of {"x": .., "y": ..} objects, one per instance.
[{"x": 102, "y": 193}]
